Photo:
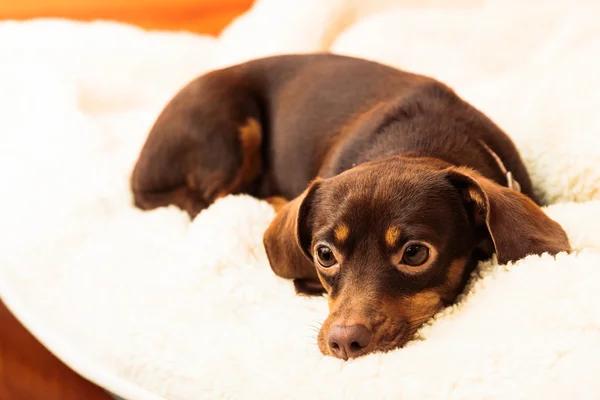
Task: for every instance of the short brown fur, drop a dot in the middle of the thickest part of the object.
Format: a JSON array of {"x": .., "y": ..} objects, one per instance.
[{"x": 405, "y": 182}]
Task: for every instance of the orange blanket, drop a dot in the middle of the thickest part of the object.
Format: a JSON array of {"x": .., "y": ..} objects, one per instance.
[{"x": 200, "y": 16}]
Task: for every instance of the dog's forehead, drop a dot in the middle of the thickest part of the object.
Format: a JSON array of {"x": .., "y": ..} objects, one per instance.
[
  {"x": 383, "y": 201},
  {"x": 382, "y": 187}
]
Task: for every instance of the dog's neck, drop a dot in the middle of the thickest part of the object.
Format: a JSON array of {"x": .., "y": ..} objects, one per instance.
[{"x": 511, "y": 182}]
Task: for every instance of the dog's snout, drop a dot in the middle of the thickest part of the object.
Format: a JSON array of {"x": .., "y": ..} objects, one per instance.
[{"x": 348, "y": 341}]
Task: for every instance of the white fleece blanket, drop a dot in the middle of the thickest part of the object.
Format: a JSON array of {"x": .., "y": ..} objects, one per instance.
[{"x": 151, "y": 306}]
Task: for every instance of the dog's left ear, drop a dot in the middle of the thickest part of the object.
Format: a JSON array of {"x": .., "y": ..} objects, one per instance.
[
  {"x": 517, "y": 226},
  {"x": 287, "y": 243}
]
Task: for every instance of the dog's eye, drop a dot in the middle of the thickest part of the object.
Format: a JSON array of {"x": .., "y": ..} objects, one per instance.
[
  {"x": 415, "y": 255},
  {"x": 325, "y": 256}
]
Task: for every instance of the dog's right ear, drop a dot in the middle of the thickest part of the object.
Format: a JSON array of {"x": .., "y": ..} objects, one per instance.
[{"x": 287, "y": 243}]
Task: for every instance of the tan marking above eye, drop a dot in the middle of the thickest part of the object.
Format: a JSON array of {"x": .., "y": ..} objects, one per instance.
[
  {"x": 392, "y": 235},
  {"x": 341, "y": 232}
]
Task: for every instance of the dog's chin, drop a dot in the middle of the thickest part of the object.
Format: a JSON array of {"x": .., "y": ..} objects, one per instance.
[{"x": 386, "y": 338}]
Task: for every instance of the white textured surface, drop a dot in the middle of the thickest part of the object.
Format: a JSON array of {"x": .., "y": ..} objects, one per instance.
[{"x": 191, "y": 310}]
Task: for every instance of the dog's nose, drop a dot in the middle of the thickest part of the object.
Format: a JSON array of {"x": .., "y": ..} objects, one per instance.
[{"x": 347, "y": 341}]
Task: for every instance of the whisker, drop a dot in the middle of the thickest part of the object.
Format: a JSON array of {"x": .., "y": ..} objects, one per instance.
[
  {"x": 315, "y": 327},
  {"x": 313, "y": 340}
]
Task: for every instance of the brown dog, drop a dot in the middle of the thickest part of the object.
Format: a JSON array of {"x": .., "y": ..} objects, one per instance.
[{"x": 398, "y": 187}]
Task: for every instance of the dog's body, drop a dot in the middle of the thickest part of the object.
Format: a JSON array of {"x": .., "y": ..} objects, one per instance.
[
  {"x": 392, "y": 178},
  {"x": 319, "y": 115}
]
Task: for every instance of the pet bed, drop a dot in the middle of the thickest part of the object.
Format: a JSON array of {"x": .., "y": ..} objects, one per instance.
[{"x": 152, "y": 306}]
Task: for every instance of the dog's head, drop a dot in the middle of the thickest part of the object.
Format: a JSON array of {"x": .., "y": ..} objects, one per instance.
[{"x": 393, "y": 241}]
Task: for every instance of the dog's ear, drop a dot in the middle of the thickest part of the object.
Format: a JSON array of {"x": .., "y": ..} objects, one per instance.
[
  {"x": 517, "y": 226},
  {"x": 287, "y": 243}
]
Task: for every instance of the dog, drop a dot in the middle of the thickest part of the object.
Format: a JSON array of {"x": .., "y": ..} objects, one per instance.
[{"x": 389, "y": 188}]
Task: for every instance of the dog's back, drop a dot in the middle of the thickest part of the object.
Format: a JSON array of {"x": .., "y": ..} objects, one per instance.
[
  {"x": 309, "y": 104},
  {"x": 269, "y": 126}
]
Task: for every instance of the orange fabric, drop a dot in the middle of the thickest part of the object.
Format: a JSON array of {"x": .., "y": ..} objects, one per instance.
[
  {"x": 200, "y": 16},
  {"x": 29, "y": 371}
]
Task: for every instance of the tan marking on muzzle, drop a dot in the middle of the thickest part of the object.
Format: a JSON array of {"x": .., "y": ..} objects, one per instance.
[{"x": 423, "y": 303}]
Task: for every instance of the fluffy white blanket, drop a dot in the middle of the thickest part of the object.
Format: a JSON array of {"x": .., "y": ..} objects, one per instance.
[{"x": 151, "y": 306}]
